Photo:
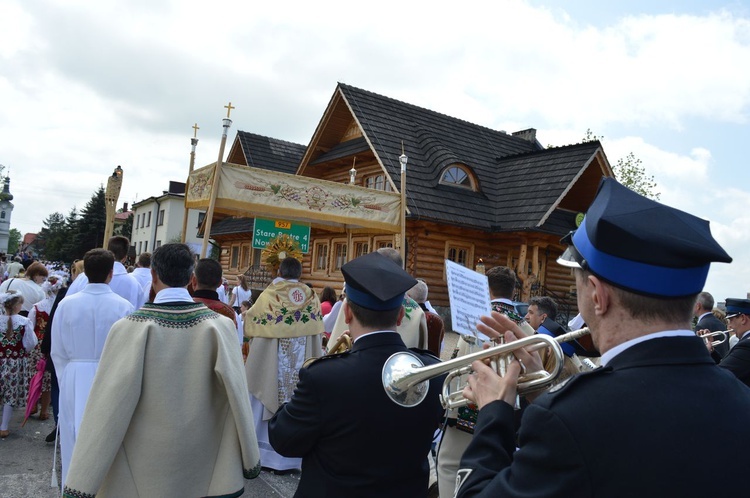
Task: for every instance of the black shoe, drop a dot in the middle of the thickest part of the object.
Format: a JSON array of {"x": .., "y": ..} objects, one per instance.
[
  {"x": 285, "y": 472},
  {"x": 51, "y": 436}
]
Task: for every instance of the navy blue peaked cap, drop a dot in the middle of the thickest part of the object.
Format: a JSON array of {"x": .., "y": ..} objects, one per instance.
[
  {"x": 737, "y": 306},
  {"x": 375, "y": 282},
  {"x": 642, "y": 245}
]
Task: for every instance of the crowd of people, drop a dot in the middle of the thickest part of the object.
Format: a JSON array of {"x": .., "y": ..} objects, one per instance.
[{"x": 164, "y": 381}]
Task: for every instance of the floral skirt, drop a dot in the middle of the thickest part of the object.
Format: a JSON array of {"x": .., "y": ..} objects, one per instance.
[
  {"x": 14, "y": 383},
  {"x": 34, "y": 356}
]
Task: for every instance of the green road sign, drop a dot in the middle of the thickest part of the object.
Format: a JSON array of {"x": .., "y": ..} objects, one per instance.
[{"x": 267, "y": 230}]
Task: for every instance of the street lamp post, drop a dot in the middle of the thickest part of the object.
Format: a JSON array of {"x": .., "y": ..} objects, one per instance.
[
  {"x": 353, "y": 172},
  {"x": 226, "y": 123},
  {"x": 402, "y": 246},
  {"x": 111, "y": 194},
  {"x": 193, "y": 143}
]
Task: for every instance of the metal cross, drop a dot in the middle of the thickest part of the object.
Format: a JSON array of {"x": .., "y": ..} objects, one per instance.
[
  {"x": 229, "y": 108},
  {"x": 195, "y": 130}
]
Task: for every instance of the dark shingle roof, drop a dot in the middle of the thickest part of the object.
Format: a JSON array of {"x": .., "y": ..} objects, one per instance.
[
  {"x": 505, "y": 166},
  {"x": 271, "y": 153},
  {"x": 229, "y": 226},
  {"x": 527, "y": 186},
  {"x": 344, "y": 149}
]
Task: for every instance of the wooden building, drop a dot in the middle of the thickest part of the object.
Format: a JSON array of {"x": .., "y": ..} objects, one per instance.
[{"x": 472, "y": 193}]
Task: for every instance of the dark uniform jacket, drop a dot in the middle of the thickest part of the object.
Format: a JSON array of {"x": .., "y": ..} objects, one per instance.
[
  {"x": 641, "y": 426},
  {"x": 713, "y": 324},
  {"x": 738, "y": 360},
  {"x": 354, "y": 441}
]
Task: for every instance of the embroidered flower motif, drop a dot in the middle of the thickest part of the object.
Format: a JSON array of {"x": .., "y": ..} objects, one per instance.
[{"x": 287, "y": 316}]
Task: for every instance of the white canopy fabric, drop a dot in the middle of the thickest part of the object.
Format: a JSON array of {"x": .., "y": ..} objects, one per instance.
[{"x": 253, "y": 192}]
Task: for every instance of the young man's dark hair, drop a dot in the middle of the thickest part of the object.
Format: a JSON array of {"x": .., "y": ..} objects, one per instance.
[
  {"x": 173, "y": 264},
  {"x": 119, "y": 246},
  {"x": 375, "y": 319},
  {"x": 502, "y": 281},
  {"x": 208, "y": 273},
  {"x": 290, "y": 269},
  {"x": 144, "y": 260},
  {"x": 97, "y": 264},
  {"x": 545, "y": 305}
]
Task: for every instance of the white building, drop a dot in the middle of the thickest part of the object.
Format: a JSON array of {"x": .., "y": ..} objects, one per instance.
[
  {"x": 6, "y": 208},
  {"x": 158, "y": 220}
]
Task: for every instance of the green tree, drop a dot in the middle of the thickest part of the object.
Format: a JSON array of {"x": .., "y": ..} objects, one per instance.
[
  {"x": 91, "y": 224},
  {"x": 51, "y": 237},
  {"x": 630, "y": 172},
  {"x": 14, "y": 240},
  {"x": 69, "y": 249}
]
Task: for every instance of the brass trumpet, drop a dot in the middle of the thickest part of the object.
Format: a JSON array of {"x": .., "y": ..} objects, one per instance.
[
  {"x": 406, "y": 379},
  {"x": 723, "y": 333},
  {"x": 342, "y": 344}
]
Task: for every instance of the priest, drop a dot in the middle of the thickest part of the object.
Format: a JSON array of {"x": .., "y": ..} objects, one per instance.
[{"x": 285, "y": 328}]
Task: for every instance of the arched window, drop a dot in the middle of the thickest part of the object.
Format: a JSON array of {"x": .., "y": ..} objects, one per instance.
[
  {"x": 458, "y": 176},
  {"x": 2, "y": 215}
]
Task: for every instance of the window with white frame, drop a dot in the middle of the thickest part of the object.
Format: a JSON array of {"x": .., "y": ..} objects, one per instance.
[
  {"x": 160, "y": 218},
  {"x": 320, "y": 256},
  {"x": 457, "y": 175},
  {"x": 338, "y": 251},
  {"x": 377, "y": 182},
  {"x": 460, "y": 252},
  {"x": 382, "y": 241},
  {"x": 360, "y": 247}
]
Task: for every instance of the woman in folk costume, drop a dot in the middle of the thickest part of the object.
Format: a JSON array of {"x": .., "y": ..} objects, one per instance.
[
  {"x": 16, "y": 338},
  {"x": 38, "y": 318},
  {"x": 29, "y": 286},
  {"x": 284, "y": 326}
]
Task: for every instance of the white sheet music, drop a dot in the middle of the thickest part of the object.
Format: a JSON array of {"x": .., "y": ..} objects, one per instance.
[{"x": 469, "y": 294}]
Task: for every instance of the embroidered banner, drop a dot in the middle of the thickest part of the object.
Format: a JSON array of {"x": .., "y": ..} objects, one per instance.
[{"x": 246, "y": 191}]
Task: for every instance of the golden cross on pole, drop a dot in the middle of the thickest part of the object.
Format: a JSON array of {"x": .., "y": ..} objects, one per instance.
[
  {"x": 195, "y": 130},
  {"x": 229, "y": 108}
]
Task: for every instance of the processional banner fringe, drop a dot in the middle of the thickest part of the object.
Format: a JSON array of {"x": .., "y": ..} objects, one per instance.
[{"x": 246, "y": 191}]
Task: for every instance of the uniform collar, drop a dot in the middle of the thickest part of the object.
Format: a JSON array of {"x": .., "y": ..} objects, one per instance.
[
  {"x": 606, "y": 357},
  {"x": 683, "y": 347},
  {"x": 378, "y": 338}
]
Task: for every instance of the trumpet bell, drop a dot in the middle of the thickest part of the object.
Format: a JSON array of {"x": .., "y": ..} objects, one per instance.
[{"x": 397, "y": 366}]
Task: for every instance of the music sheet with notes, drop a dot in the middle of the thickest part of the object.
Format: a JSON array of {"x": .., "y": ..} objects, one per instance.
[{"x": 469, "y": 295}]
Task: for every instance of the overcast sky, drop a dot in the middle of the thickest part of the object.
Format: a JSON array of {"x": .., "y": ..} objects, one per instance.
[{"x": 85, "y": 86}]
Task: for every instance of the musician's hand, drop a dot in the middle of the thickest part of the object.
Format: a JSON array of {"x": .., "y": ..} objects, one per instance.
[
  {"x": 532, "y": 362},
  {"x": 486, "y": 386},
  {"x": 495, "y": 325},
  {"x": 706, "y": 341}
]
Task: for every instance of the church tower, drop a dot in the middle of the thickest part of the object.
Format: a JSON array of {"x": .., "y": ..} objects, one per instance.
[{"x": 6, "y": 208}]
